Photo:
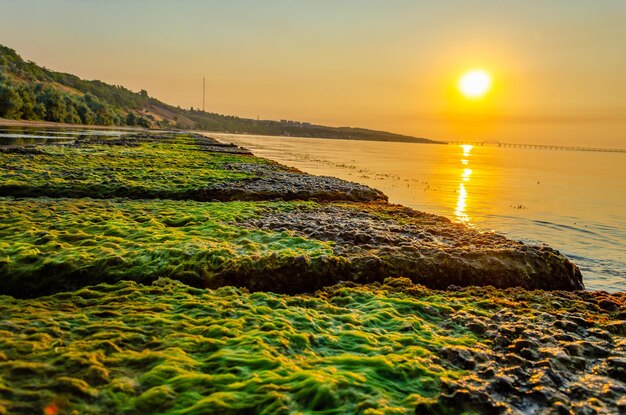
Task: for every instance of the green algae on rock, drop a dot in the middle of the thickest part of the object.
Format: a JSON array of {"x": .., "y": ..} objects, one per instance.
[
  {"x": 167, "y": 166},
  {"x": 391, "y": 240},
  {"x": 395, "y": 348},
  {"x": 169, "y": 348},
  {"x": 51, "y": 245},
  {"x": 363, "y": 242}
]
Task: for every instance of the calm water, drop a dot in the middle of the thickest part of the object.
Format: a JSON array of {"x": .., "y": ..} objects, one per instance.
[
  {"x": 13, "y": 136},
  {"x": 572, "y": 201}
]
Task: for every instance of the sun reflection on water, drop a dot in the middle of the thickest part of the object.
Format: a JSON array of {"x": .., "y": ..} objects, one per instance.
[
  {"x": 466, "y": 149},
  {"x": 466, "y": 174},
  {"x": 461, "y": 202},
  {"x": 460, "y": 212}
]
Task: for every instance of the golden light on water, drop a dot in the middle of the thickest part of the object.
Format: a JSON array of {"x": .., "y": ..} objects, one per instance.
[
  {"x": 466, "y": 174},
  {"x": 460, "y": 212},
  {"x": 475, "y": 84},
  {"x": 461, "y": 202}
]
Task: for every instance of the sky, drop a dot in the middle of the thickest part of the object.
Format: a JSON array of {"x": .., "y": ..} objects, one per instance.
[{"x": 558, "y": 67}]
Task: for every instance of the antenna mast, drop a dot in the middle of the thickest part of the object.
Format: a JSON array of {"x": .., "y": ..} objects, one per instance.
[{"x": 203, "y": 92}]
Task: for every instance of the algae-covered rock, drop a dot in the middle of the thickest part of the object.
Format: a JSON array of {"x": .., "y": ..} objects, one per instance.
[
  {"x": 52, "y": 245},
  {"x": 391, "y": 240},
  {"x": 365, "y": 349},
  {"x": 172, "y": 166}
]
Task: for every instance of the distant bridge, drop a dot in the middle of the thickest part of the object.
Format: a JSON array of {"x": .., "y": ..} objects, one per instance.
[{"x": 536, "y": 146}]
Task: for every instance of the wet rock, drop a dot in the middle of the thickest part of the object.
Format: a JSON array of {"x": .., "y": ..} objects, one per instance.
[
  {"x": 564, "y": 337},
  {"x": 567, "y": 325},
  {"x": 608, "y": 305},
  {"x": 523, "y": 344},
  {"x": 594, "y": 350},
  {"x": 617, "y": 327},
  {"x": 428, "y": 249},
  {"x": 560, "y": 408},
  {"x": 528, "y": 354},
  {"x": 617, "y": 367},
  {"x": 462, "y": 401},
  {"x": 503, "y": 384},
  {"x": 477, "y": 327},
  {"x": 459, "y": 357}
]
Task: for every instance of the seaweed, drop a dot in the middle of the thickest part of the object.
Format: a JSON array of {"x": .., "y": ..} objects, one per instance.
[
  {"x": 174, "y": 166},
  {"x": 392, "y": 348},
  {"x": 51, "y": 245},
  {"x": 169, "y": 348}
]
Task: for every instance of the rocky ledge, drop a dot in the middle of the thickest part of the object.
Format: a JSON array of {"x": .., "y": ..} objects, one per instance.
[
  {"x": 166, "y": 166},
  {"x": 379, "y": 240},
  {"x": 283, "y": 247}
]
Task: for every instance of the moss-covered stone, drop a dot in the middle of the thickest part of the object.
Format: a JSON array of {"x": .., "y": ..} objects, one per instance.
[
  {"x": 167, "y": 166},
  {"x": 373, "y": 349},
  {"x": 51, "y": 245}
]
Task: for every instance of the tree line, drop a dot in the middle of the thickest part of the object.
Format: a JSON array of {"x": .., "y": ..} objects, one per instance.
[{"x": 30, "y": 92}]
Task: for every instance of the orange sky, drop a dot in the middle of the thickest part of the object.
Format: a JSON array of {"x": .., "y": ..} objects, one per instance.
[{"x": 558, "y": 67}]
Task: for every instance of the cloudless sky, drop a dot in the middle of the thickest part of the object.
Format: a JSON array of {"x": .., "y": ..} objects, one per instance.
[{"x": 559, "y": 67}]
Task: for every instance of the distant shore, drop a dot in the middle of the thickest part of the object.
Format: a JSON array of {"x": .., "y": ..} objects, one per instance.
[{"x": 4, "y": 122}]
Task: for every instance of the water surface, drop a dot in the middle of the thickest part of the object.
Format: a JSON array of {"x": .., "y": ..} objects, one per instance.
[{"x": 17, "y": 135}]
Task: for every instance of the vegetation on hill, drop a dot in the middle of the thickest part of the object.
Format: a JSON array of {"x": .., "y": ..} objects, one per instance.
[{"x": 31, "y": 92}]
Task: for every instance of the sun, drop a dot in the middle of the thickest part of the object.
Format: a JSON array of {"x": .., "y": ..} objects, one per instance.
[{"x": 475, "y": 84}]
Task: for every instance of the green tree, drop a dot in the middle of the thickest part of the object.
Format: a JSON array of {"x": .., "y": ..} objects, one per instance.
[
  {"x": 144, "y": 122},
  {"x": 84, "y": 112},
  {"x": 103, "y": 114},
  {"x": 54, "y": 103},
  {"x": 131, "y": 119},
  {"x": 10, "y": 102},
  {"x": 4, "y": 64},
  {"x": 29, "y": 101},
  {"x": 71, "y": 113}
]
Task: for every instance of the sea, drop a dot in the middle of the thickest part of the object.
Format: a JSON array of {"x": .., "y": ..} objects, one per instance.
[
  {"x": 574, "y": 201},
  {"x": 571, "y": 200}
]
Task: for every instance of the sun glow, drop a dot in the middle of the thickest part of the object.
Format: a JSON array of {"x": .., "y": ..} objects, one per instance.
[{"x": 475, "y": 84}]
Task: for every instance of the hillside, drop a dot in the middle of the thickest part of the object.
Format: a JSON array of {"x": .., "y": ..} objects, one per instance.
[{"x": 31, "y": 92}]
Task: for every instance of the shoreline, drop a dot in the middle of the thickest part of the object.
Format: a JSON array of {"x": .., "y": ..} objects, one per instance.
[
  {"x": 140, "y": 312},
  {"x": 4, "y": 122},
  {"x": 369, "y": 242},
  {"x": 519, "y": 214}
]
